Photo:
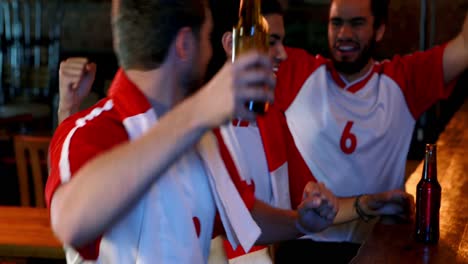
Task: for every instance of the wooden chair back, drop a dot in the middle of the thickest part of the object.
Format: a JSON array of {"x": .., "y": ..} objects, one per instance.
[{"x": 31, "y": 153}]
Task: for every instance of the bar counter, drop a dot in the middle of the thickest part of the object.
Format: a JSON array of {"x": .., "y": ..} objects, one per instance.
[{"x": 394, "y": 243}]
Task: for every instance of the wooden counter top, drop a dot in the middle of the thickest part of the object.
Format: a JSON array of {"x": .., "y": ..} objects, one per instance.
[
  {"x": 25, "y": 232},
  {"x": 395, "y": 243}
]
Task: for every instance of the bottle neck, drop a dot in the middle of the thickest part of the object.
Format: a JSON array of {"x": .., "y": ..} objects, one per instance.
[
  {"x": 250, "y": 11},
  {"x": 430, "y": 163}
]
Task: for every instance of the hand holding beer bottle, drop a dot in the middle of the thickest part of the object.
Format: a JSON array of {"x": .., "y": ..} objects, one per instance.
[{"x": 251, "y": 33}]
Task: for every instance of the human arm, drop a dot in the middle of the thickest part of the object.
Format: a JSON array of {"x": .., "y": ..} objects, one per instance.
[
  {"x": 76, "y": 77},
  {"x": 425, "y": 77},
  {"x": 314, "y": 214},
  {"x": 391, "y": 203},
  {"x": 455, "y": 59},
  {"x": 111, "y": 186},
  {"x": 320, "y": 209}
]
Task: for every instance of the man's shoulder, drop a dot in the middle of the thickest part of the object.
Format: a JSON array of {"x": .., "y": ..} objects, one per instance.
[
  {"x": 299, "y": 65},
  {"x": 415, "y": 59},
  {"x": 299, "y": 55},
  {"x": 102, "y": 111},
  {"x": 296, "y": 52},
  {"x": 93, "y": 123},
  {"x": 294, "y": 72}
]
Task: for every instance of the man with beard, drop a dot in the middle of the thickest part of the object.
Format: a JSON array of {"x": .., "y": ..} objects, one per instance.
[{"x": 348, "y": 121}]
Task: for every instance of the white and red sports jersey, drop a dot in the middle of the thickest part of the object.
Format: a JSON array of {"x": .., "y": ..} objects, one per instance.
[
  {"x": 244, "y": 143},
  {"x": 353, "y": 137},
  {"x": 174, "y": 221}
]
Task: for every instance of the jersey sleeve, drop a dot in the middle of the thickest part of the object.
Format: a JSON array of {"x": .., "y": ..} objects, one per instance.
[
  {"x": 277, "y": 139},
  {"x": 72, "y": 147},
  {"x": 246, "y": 191},
  {"x": 420, "y": 76},
  {"x": 292, "y": 74},
  {"x": 280, "y": 149}
]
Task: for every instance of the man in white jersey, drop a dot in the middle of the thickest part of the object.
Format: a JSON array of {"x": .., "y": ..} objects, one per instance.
[
  {"x": 240, "y": 137},
  {"x": 138, "y": 177},
  {"x": 348, "y": 120}
]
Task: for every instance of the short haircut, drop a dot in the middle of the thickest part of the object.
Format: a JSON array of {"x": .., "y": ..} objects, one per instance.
[
  {"x": 379, "y": 10},
  {"x": 144, "y": 29},
  {"x": 225, "y": 16},
  {"x": 270, "y": 7}
]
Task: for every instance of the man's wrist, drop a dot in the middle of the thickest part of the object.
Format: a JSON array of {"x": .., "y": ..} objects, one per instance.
[
  {"x": 64, "y": 112},
  {"x": 301, "y": 231},
  {"x": 68, "y": 109},
  {"x": 360, "y": 210}
]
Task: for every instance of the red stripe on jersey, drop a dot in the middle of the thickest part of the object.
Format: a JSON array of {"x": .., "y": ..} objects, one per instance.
[
  {"x": 292, "y": 74},
  {"x": 196, "y": 223},
  {"x": 90, "y": 251},
  {"x": 240, "y": 123},
  {"x": 339, "y": 81},
  {"x": 218, "y": 228},
  {"x": 360, "y": 84},
  {"x": 280, "y": 148},
  {"x": 335, "y": 75},
  {"x": 245, "y": 190},
  {"x": 271, "y": 127},
  {"x": 119, "y": 90},
  {"x": 239, "y": 251},
  {"x": 298, "y": 171}
]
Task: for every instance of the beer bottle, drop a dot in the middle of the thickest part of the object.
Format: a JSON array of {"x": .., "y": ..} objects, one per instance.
[
  {"x": 428, "y": 194},
  {"x": 251, "y": 32}
]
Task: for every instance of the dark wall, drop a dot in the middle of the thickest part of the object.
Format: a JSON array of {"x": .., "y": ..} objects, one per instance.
[{"x": 86, "y": 31}]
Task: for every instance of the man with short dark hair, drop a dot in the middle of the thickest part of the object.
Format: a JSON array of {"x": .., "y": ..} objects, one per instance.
[
  {"x": 241, "y": 137},
  {"x": 349, "y": 119}
]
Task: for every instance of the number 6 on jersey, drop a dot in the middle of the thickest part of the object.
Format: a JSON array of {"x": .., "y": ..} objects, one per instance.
[{"x": 348, "y": 140}]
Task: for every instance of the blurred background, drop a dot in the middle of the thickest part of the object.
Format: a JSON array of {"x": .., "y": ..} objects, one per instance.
[{"x": 37, "y": 34}]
